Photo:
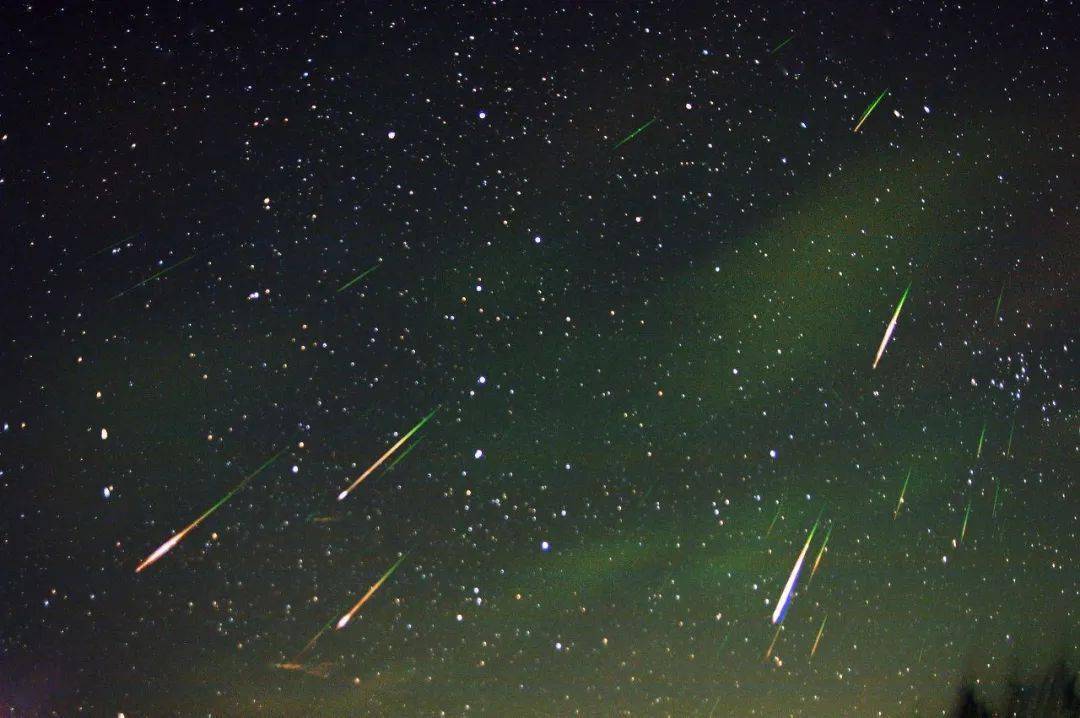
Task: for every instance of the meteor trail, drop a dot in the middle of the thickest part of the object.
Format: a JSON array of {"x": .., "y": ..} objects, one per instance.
[
  {"x": 781, "y": 45},
  {"x": 179, "y": 536},
  {"x": 773, "y": 644},
  {"x": 357, "y": 278},
  {"x": 111, "y": 246},
  {"x": 997, "y": 488},
  {"x": 1008, "y": 447},
  {"x": 821, "y": 552},
  {"x": 772, "y": 523},
  {"x": 385, "y": 456},
  {"x": 997, "y": 309},
  {"x": 785, "y": 595},
  {"x": 818, "y": 639},
  {"x": 892, "y": 326},
  {"x": 963, "y": 527},
  {"x": 633, "y": 134},
  {"x": 155, "y": 275},
  {"x": 344, "y": 620},
  {"x": 982, "y": 436},
  {"x": 408, "y": 450},
  {"x": 869, "y": 109},
  {"x": 903, "y": 490}
]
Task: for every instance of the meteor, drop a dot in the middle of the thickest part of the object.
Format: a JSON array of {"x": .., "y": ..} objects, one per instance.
[
  {"x": 982, "y": 436},
  {"x": 357, "y": 278},
  {"x": 773, "y": 644},
  {"x": 1008, "y": 447},
  {"x": 344, "y": 620},
  {"x": 179, "y": 536},
  {"x": 155, "y": 275},
  {"x": 997, "y": 309},
  {"x": 633, "y": 134},
  {"x": 997, "y": 489},
  {"x": 785, "y": 595},
  {"x": 405, "y": 453},
  {"x": 779, "y": 47},
  {"x": 963, "y": 527},
  {"x": 892, "y": 326},
  {"x": 818, "y": 639},
  {"x": 385, "y": 456},
  {"x": 772, "y": 523},
  {"x": 821, "y": 552},
  {"x": 903, "y": 490},
  {"x": 870, "y": 108}
]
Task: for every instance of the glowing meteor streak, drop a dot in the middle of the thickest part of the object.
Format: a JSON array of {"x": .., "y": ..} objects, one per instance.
[
  {"x": 785, "y": 595},
  {"x": 773, "y": 644},
  {"x": 997, "y": 489},
  {"x": 821, "y": 553},
  {"x": 903, "y": 490},
  {"x": 405, "y": 453},
  {"x": 892, "y": 326},
  {"x": 982, "y": 436},
  {"x": 781, "y": 46},
  {"x": 997, "y": 309},
  {"x": 179, "y": 536},
  {"x": 386, "y": 456},
  {"x": 344, "y": 620},
  {"x": 1008, "y": 447},
  {"x": 870, "y": 109},
  {"x": 818, "y": 639},
  {"x": 633, "y": 134},
  {"x": 155, "y": 275},
  {"x": 779, "y": 508},
  {"x": 357, "y": 278},
  {"x": 963, "y": 527}
]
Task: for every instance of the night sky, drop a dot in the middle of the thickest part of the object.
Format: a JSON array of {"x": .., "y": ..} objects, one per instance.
[{"x": 649, "y": 356}]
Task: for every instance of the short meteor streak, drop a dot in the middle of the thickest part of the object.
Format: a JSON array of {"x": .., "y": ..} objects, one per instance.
[
  {"x": 821, "y": 553},
  {"x": 179, "y": 536},
  {"x": 779, "y": 508},
  {"x": 963, "y": 527},
  {"x": 818, "y": 639},
  {"x": 785, "y": 595},
  {"x": 772, "y": 645},
  {"x": 892, "y": 326},
  {"x": 344, "y": 620},
  {"x": 408, "y": 450},
  {"x": 982, "y": 437},
  {"x": 386, "y": 456},
  {"x": 997, "y": 489},
  {"x": 903, "y": 490},
  {"x": 633, "y": 134},
  {"x": 155, "y": 275},
  {"x": 781, "y": 46},
  {"x": 1008, "y": 447},
  {"x": 870, "y": 109},
  {"x": 357, "y": 278},
  {"x": 997, "y": 309}
]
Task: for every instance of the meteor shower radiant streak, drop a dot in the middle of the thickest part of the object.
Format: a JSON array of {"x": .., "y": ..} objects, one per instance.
[
  {"x": 386, "y": 456},
  {"x": 891, "y": 327}
]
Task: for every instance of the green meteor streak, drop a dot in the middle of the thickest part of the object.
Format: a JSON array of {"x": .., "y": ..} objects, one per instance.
[
  {"x": 155, "y": 275},
  {"x": 963, "y": 527},
  {"x": 1008, "y": 447},
  {"x": 982, "y": 436},
  {"x": 903, "y": 490},
  {"x": 870, "y": 109},
  {"x": 997, "y": 489},
  {"x": 633, "y": 134},
  {"x": 779, "y": 508},
  {"x": 403, "y": 455},
  {"x": 997, "y": 309},
  {"x": 357, "y": 278},
  {"x": 781, "y": 45},
  {"x": 111, "y": 246}
]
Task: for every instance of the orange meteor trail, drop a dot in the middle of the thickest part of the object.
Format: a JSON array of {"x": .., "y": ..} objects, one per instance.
[
  {"x": 386, "y": 456},
  {"x": 344, "y": 620},
  {"x": 821, "y": 553},
  {"x": 179, "y": 536}
]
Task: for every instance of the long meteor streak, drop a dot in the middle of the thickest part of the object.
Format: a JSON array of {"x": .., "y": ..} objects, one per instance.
[
  {"x": 870, "y": 108},
  {"x": 357, "y": 278},
  {"x": 155, "y": 275},
  {"x": 818, "y": 639},
  {"x": 781, "y": 46},
  {"x": 903, "y": 490},
  {"x": 179, "y": 536},
  {"x": 633, "y": 134},
  {"x": 344, "y": 620},
  {"x": 821, "y": 553},
  {"x": 785, "y": 595},
  {"x": 892, "y": 326},
  {"x": 386, "y": 456}
]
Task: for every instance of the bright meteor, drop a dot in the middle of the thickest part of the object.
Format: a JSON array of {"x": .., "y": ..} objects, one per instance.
[
  {"x": 386, "y": 456},
  {"x": 903, "y": 490},
  {"x": 785, "y": 595},
  {"x": 344, "y": 620},
  {"x": 892, "y": 326},
  {"x": 633, "y": 134},
  {"x": 179, "y": 536},
  {"x": 821, "y": 553},
  {"x": 870, "y": 108}
]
